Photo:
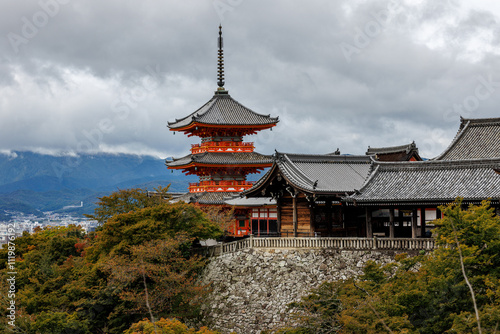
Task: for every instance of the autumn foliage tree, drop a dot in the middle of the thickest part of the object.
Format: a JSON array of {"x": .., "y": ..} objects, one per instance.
[
  {"x": 137, "y": 264},
  {"x": 165, "y": 326},
  {"x": 127, "y": 200},
  {"x": 223, "y": 216},
  {"x": 158, "y": 276}
]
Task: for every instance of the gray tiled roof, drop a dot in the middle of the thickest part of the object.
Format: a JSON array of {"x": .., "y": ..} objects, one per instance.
[
  {"x": 476, "y": 139},
  {"x": 252, "y": 201},
  {"x": 392, "y": 149},
  {"x": 320, "y": 173},
  {"x": 430, "y": 181},
  {"x": 223, "y": 110},
  {"x": 218, "y": 198},
  {"x": 233, "y": 158}
]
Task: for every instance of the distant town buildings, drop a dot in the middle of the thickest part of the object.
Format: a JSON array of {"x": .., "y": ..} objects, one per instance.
[{"x": 21, "y": 223}]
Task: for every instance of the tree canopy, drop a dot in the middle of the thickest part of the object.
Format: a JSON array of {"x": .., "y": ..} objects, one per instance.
[
  {"x": 165, "y": 326},
  {"x": 137, "y": 264}
]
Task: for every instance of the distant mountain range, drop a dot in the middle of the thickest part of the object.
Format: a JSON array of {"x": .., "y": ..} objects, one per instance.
[{"x": 33, "y": 183}]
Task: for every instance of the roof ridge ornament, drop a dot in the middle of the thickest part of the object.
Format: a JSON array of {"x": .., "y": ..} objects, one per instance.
[{"x": 220, "y": 66}]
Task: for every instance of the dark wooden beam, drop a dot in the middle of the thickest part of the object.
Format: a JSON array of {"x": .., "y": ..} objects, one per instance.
[
  {"x": 369, "y": 227},
  {"x": 329, "y": 222},
  {"x": 294, "y": 204},
  {"x": 414, "y": 228},
  {"x": 422, "y": 222},
  {"x": 278, "y": 210},
  {"x": 391, "y": 223},
  {"x": 400, "y": 220}
]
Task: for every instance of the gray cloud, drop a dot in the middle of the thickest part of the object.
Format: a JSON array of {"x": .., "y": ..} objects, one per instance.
[{"x": 108, "y": 76}]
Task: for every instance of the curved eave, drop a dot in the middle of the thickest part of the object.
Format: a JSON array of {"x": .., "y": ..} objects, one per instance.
[
  {"x": 261, "y": 182},
  {"x": 310, "y": 191},
  {"x": 191, "y": 126},
  {"x": 287, "y": 166},
  {"x": 412, "y": 201},
  {"x": 258, "y": 187},
  {"x": 197, "y": 164}
]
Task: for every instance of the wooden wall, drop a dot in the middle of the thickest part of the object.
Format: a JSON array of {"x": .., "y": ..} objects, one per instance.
[
  {"x": 303, "y": 215},
  {"x": 351, "y": 226}
]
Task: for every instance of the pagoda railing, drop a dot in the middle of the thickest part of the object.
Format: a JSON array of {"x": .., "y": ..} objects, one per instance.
[
  {"x": 354, "y": 244},
  {"x": 223, "y": 146},
  {"x": 215, "y": 186}
]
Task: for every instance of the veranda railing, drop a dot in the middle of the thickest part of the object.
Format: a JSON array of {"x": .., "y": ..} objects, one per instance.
[{"x": 328, "y": 243}]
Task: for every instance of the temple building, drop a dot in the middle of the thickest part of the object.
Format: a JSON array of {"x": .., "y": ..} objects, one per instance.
[
  {"x": 222, "y": 160},
  {"x": 411, "y": 192},
  {"x": 388, "y": 192},
  {"x": 395, "y": 153},
  {"x": 308, "y": 189},
  {"x": 402, "y": 199}
]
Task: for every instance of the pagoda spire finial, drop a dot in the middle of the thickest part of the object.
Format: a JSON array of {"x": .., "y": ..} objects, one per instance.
[{"x": 220, "y": 70}]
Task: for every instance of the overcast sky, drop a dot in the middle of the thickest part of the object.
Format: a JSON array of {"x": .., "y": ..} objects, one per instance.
[{"x": 107, "y": 75}]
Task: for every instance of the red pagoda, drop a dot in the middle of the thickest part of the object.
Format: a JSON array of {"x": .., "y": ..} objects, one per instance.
[{"x": 222, "y": 160}]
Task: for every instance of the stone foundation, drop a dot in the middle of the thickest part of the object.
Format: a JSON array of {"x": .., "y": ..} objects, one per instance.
[{"x": 252, "y": 287}]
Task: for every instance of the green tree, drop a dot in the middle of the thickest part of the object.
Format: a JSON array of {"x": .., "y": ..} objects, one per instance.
[
  {"x": 45, "y": 263},
  {"x": 134, "y": 217},
  {"x": 58, "y": 323},
  {"x": 71, "y": 282},
  {"x": 158, "y": 276},
  {"x": 126, "y": 200},
  {"x": 165, "y": 326},
  {"x": 470, "y": 240},
  {"x": 162, "y": 221}
]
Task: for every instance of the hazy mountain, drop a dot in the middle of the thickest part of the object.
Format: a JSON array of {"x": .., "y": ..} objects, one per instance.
[{"x": 32, "y": 182}]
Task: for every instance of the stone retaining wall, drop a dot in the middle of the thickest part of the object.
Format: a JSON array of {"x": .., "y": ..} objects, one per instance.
[{"x": 251, "y": 287}]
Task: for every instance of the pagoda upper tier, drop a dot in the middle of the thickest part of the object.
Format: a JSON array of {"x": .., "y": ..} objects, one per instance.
[
  {"x": 222, "y": 160},
  {"x": 222, "y": 116}
]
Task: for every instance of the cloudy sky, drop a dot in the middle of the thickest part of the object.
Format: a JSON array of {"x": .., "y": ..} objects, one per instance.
[{"x": 108, "y": 75}]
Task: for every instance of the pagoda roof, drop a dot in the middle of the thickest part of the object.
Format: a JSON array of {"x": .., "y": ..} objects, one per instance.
[
  {"x": 213, "y": 198},
  {"x": 430, "y": 182},
  {"x": 475, "y": 139},
  {"x": 226, "y": 158},
  {"x": 317, "y": 174},
  {"x": 395, "y": 153},
  {"x": 223, "y": 110}
]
